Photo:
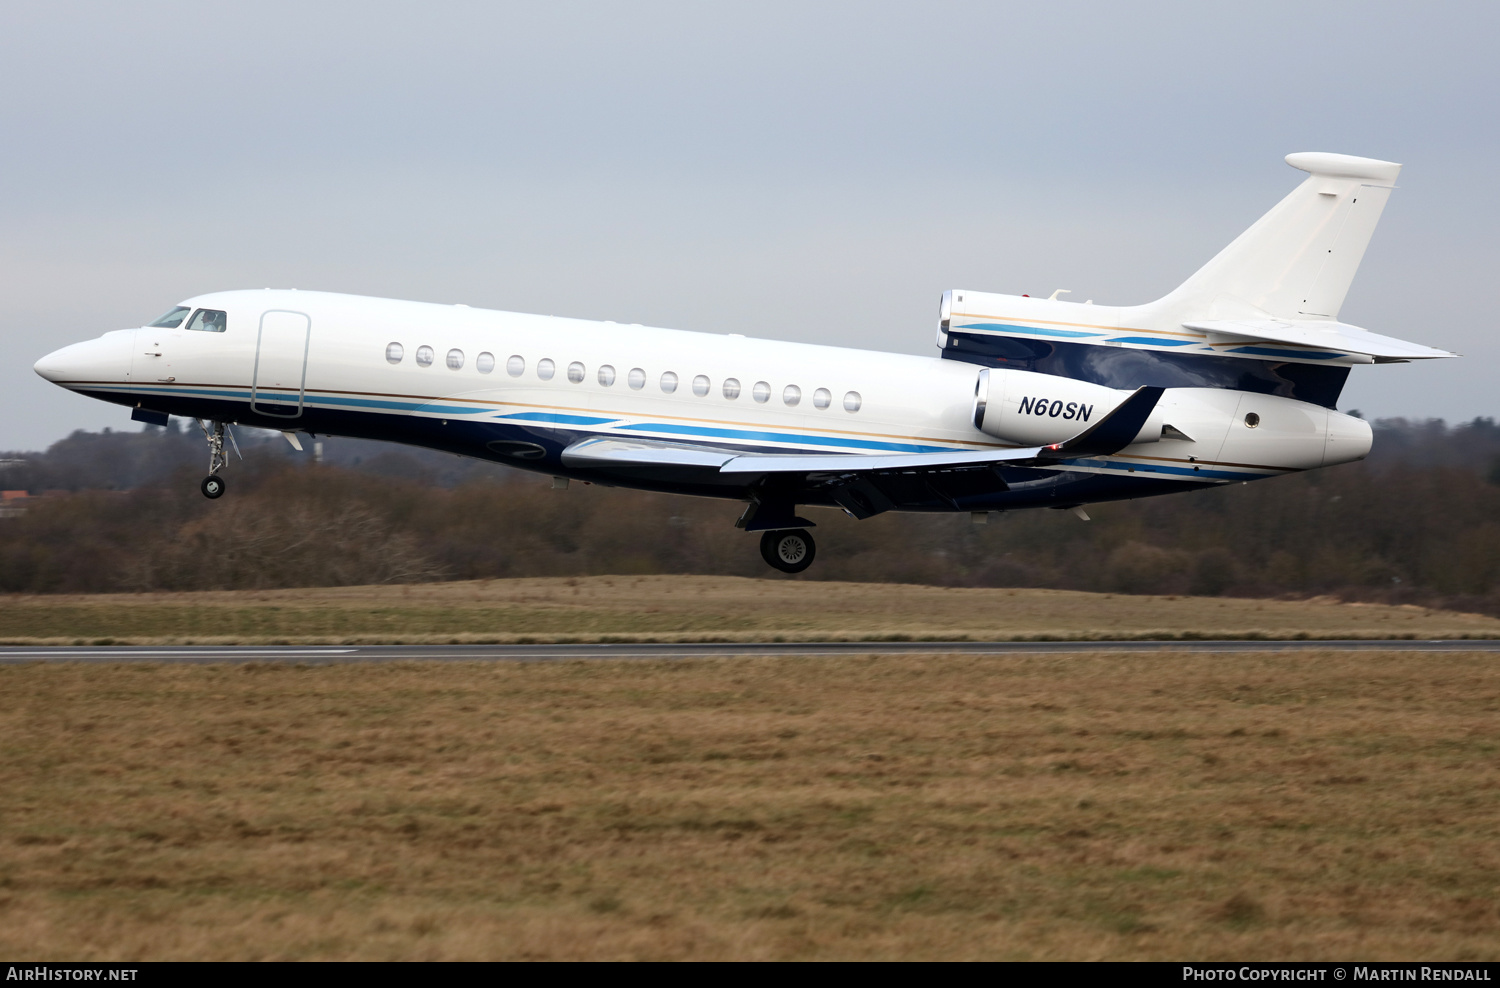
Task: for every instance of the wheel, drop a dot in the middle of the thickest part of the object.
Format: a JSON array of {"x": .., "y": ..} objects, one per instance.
[
  {"x": 212, "y": 486},
  {"x": 790, "y": 550}
]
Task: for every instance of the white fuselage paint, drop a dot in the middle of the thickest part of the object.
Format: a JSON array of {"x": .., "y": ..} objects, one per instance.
[{"x": 330, "y": 351}]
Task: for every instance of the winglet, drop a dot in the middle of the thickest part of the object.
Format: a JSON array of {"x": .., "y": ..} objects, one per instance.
[{"x": 1112, "y": 433}]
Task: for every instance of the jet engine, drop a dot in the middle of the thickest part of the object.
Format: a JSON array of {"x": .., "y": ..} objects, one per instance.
[
  {"x": 1204, "y": 424},
  {"x": 1032, "y": 409}
]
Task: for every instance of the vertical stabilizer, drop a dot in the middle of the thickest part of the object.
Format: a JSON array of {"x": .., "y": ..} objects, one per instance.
[{"x": 1298, "y": 260}]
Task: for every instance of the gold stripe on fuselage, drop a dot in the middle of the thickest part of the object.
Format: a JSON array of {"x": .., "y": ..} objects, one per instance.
[{"x": 1081, "y": 325}]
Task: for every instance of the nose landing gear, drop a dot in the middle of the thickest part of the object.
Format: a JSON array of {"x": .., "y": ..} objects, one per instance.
[
  {"x": 213, "y": 485},
  {"x": 789, "y": 550}
]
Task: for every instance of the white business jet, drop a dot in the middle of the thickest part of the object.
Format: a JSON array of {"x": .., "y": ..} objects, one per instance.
[{"x": 1030, "y": 402}]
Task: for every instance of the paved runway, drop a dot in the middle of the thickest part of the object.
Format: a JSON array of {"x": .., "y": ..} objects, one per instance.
[{"x": 536, "y": 653}]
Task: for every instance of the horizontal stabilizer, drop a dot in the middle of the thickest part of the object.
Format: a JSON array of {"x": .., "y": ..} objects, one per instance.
[{"x": 1325, "y": 334}]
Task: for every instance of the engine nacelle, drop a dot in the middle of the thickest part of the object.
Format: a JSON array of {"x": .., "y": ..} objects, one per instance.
[
  {"x": 1033, "y": 409},
  {"x": 1197, "y": 425}
]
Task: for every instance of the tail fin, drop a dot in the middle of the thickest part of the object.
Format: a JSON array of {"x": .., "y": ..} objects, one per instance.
[{"x": 1298, "y": 260}]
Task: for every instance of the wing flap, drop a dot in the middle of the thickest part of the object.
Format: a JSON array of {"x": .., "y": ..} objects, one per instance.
[
  {"x": 604, "y": 452},
  {"x": 862, "y": 462}
]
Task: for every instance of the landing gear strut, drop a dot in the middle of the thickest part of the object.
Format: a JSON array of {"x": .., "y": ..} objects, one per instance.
[
  {"x": 213, "y": 484},
  {"x": 789, "y": 550}
]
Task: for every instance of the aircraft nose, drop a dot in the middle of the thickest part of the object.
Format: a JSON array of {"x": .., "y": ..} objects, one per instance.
[
  {"x": 54, "y": 366},
  {"x": 104, "y": 359}
]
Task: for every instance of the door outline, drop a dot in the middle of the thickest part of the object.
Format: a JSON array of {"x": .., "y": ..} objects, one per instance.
[{"x": 270, "y": 409}]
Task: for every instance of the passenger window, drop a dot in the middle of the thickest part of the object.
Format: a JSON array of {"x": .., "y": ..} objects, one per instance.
[
  {"x": 545, "y": 368},
  {"x": 637, "y": 379},
  {"x": 172, "y": 318},
  {"x": 208, "y": 321},
  {"x": 455, "y": 359},
  {"x": 791, "y": 394},
  {"x": 762, "y": 392},
  {"x": 700, "y": 385},
  {"x": 424, "y": 356},
  {"x": 516, "y": 365},
  {"x": 731, "y": 388},
  {"x": 606, "y": 375},
  {"x": 822, "y": 398},
  {"x": 484, "y": 363},
  {"x": 575, "y": 372},
  {"x": 852, "y": 401},
  {"x": 669, "y": 382},
  {"x": 394, "y": 352}
]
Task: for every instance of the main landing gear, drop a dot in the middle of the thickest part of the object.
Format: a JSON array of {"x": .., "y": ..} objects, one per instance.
[
  {"x": 213, "y": 484},
  {"x": 782, "y": 545},
  {"x": 790, "y": 550}
]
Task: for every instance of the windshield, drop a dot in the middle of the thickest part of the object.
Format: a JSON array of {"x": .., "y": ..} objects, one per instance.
[
  {"x": 172, "y": 318},
  {"x": 209, "y": 321}
]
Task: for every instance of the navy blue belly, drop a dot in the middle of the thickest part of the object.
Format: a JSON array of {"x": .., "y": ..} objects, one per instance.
[{"x": 538, "y": 448}]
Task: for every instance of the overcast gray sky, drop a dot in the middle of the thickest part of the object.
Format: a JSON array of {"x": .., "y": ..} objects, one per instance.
[{"x": 809, "y": 171}]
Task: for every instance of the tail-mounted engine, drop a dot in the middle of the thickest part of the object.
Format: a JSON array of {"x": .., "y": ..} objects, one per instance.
[
  {"x": 1196, "y": 425},
  {"x": 1032, "y": 409}
]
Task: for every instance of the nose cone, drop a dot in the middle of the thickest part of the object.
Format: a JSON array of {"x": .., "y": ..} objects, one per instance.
[
  {"x": 54, "y": 366},
  {"x": 106, "y": 359},
  {"x": 1348, "y": 438}
]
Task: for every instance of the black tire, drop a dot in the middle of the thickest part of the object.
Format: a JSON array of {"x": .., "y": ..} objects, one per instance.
[
  {"x": 790, "y": 550},
  {"x": 212, "y": 486}
]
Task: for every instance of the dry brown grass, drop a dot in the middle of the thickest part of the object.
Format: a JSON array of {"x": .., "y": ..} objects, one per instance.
[
  {"x": 671, "y": 608},
  {"x": 1277, "y": 805}
]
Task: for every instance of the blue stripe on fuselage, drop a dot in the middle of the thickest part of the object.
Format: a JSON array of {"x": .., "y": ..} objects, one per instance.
[
  {"x": 244, "y": 395},
  {"x": 750, "y": 435},
  {"x": 1031, "y": 330},
  {"x": 1265, "y": 351},
  {"x": 556, "y": 418}
]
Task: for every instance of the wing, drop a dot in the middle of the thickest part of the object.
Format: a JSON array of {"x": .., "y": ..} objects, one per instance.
[
  {"x": 1109, "y": 435},
  {"x": 864, "y": 483},
  {"x": 647, "y": 453}
]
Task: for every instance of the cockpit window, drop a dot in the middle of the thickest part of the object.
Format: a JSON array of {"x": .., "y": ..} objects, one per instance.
[
  {"x": 172, "y": 318},
  {"x": 209, "y": 321}
]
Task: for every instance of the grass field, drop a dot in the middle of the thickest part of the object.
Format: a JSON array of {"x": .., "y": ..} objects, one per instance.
[
  {"x": 1184, "y": 805},
  {"x": 675, "y": 608}
]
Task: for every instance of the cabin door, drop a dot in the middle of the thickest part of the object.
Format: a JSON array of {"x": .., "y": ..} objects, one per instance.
[{"x": 280, "y": 380}]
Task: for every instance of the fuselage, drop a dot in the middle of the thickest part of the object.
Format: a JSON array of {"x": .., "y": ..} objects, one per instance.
[{"x": 520, "y": 389}]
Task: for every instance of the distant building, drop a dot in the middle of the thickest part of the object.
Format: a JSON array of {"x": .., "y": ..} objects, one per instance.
[{"x": 13, "y": 503}]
